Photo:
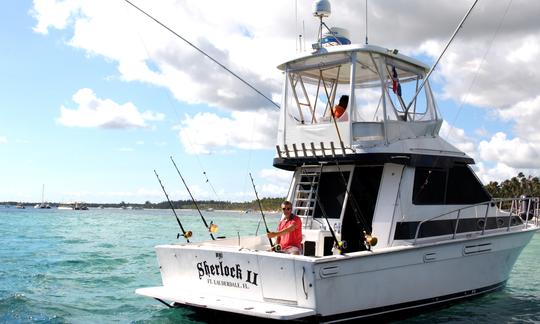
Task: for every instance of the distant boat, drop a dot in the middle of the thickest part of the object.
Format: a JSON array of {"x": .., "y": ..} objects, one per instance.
[
  {"x": 20, "y": 206},
  {"x": 80, "y": 206},
  {"x": 65, "y": 207},
  {"x": 43, "y": 204},
  {"x": 210, "y": 209},
  {"x": 73, "y": 206}
]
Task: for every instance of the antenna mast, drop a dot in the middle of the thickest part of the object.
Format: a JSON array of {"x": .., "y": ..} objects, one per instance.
[{"x": 366, "y": 24}]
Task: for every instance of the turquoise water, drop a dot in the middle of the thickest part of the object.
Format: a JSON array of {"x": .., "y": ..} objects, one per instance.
[{"x": 62, "y": 266}]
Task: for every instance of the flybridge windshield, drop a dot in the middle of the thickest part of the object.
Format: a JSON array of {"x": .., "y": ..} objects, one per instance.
[{"x": 374, "y": 86}]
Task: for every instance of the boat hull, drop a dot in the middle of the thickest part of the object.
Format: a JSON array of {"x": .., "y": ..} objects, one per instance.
[{"x": 363, "y": 284}]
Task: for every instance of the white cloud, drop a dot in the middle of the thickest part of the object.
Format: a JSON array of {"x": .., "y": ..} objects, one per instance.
[
  {"x": 272, "y": 190},
  {"x": 3, "y": 140},
  {"x": 458, "y": 138},
  {"x": 206, "y": 133},
  {"x": 276, "y": 175},
  {"x": 499, "y": 172},
  {"x": 494, "y": 75},
  {"x": 278, "y": 182},
  {"x": 256, "y": 38},
  {"x": 104, "y": 113},
  {"x": 57, "y": 18},
  {"x": 527, "y": 52},
  {"x": 514, "y": 153},
  {"x": 525, "y": 115}
]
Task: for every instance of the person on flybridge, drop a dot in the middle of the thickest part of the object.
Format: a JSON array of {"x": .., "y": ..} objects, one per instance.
[
  {"x": 289, "y": 232},
  {"x": 340, "y": 108}
]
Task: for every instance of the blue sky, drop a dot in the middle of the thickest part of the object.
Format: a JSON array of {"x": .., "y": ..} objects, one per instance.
[{"x": 96, "y": 96}]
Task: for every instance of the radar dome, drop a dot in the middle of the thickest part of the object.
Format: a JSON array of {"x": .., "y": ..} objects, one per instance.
[
  {"x": 336, "y": 36},
  {"x": 321, "y": 8}
]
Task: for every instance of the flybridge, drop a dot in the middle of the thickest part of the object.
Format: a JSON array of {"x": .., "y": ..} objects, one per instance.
[
  {"x": 349, "y": 99},
  {"x": 383, "y": 114}
]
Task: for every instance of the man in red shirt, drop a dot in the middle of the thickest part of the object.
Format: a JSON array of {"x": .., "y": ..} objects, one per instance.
[{"x": 289, "y": 232}]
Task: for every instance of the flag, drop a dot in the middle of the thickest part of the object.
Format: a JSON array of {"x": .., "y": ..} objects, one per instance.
[{"x": 396, "y": 87}]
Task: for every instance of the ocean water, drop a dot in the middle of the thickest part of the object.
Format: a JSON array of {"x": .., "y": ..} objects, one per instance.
[{"x": 63, "y": 266}]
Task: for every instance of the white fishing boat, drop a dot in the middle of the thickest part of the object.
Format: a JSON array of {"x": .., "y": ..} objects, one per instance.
[
  {"x": 414, "y": 225},
  {"x": 73, "y": 206}
]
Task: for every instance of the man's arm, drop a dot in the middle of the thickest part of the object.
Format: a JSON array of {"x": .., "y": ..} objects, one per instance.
[{"x": 286, "y": 230}]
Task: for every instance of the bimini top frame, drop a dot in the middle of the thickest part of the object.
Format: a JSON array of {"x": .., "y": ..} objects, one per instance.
[{"x": 383, "y": 110}]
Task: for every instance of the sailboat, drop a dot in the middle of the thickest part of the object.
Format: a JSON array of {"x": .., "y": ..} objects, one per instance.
[
  {"x": 394, "y": 218},
  {"x": 43, "y": 204}
]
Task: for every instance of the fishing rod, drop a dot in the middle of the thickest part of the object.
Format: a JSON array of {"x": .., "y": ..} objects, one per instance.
[
  {"x": 204, "y": 53},
  {"x": 369, "y": 239},
  {"x": 274, "y": 247},
  {"x": 440, "y": 56},
  {"x": 185, "y": 234},
  {"x": 212, "y": 228},
  {"x": 340, "y": 245}
]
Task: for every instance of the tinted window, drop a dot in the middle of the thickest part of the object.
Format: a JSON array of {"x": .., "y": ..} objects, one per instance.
[
  {"x": 464, "y": 188},
  {"x": 332, "y": 189},
  {"x": 454, "y": 186},
  {"x": 429, "y": 186}
]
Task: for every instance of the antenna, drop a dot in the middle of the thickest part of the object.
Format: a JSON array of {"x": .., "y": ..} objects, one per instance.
[
  {"x": 366, "y": 24},
  {"x": 296, "y": 22},
  {"x": 321, "y": 9}
]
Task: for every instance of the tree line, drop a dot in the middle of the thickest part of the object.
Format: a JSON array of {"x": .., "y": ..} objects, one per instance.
[
  {"x": 515, "y": 187},
  {"x": 510, "y": 188}
]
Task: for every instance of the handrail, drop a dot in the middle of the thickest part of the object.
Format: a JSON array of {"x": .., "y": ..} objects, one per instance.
[{"x": 515, "y": 210}]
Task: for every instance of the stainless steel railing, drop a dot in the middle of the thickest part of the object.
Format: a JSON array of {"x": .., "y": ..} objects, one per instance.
[{"x": 524, "y": 209}]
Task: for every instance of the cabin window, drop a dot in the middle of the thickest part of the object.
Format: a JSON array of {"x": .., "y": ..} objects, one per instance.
[
  {"x": 464, "y": 187},
  {"x": 455, "y": 186},
  {"x": 429, "y": 186}
]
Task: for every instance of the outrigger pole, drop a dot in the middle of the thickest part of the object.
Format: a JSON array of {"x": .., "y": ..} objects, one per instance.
[
  {"x": 274, "y": 247},
  {"x": 440, "y": 56},
  {"x": 212, "y": 227},
  {"x": 204, "y": 53},
  {"x": 185, "y": 234}
]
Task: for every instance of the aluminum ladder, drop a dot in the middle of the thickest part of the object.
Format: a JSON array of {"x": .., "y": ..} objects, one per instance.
[{"x": 307, "y": 187}]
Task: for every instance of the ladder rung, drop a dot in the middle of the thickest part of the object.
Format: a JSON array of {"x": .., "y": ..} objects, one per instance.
[
  {"x": 305, "y": 199},
  {"x": 304, "y": 208},
  {"x": 307, "y": 183}
]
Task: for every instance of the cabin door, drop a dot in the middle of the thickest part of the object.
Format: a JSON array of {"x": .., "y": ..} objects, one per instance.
[{"x": 360, "y": 206}]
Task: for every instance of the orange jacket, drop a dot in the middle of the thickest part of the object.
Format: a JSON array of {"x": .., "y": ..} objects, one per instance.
[{"x": 338, "y": 111}]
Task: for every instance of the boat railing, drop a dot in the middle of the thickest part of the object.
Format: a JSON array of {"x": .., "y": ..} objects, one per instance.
[{"x": 524, "y": 209}]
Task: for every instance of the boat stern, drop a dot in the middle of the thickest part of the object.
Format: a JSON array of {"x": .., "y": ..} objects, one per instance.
[{"x": 233, "y": 279}]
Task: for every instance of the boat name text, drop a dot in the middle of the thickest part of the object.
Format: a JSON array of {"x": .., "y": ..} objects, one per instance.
[{"x": 219, "y": 269}]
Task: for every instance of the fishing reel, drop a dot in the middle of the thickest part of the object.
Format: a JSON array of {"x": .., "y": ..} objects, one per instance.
[
  {"x": 213, "y": 228},
  {"x": 369, "y": 240},
  {"x": 340, "y": 246},
  {"x": 186, "y": 235},
  {"x": 276, "y": 248}
]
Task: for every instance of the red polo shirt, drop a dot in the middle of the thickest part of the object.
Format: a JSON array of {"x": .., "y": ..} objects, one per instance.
[{"x": 293, "y": 238}]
